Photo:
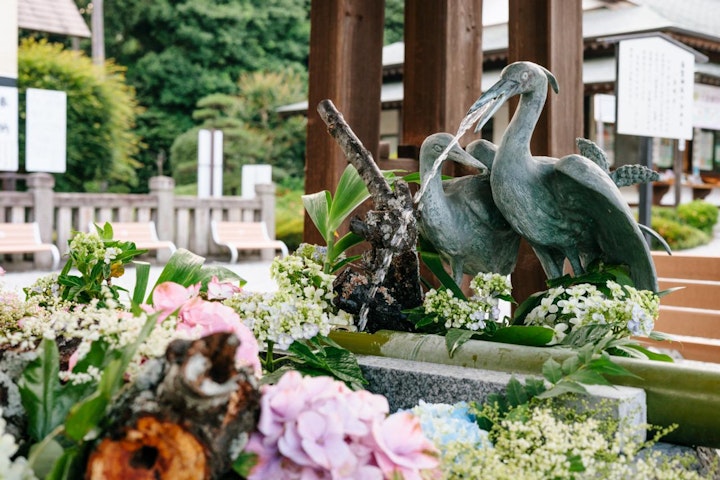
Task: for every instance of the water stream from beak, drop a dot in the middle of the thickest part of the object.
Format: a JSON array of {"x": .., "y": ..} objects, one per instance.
[{"x": 465, "y": 125}]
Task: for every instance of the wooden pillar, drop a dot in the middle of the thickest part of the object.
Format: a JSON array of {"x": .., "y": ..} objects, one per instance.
[
  {"x": 549, "y": 33},
  {"x": 346, "y": 38},
  {"x": 443, "y": 67}
]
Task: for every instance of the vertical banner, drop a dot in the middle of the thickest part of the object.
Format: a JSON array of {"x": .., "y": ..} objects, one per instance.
[
  {"x": 210, "y": 163},
  {"x": 8, "y": 86},
  {"x": 46, "y": 131},
  {"x": 8, "y": 129}
]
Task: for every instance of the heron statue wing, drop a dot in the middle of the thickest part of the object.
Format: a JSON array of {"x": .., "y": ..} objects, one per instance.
[{"x": 613, "y": 226}]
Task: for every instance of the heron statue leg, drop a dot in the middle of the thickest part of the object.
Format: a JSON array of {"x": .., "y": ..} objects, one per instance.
[
  {"x": 457, "y": 271},
  {"x": 552, "y": 260}
]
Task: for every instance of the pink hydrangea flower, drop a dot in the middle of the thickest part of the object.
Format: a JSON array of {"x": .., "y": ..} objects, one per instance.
[
  {"x": 316, "y": 427},
  {"x": 217, "y": 290},
  {"x": 402, "y": 447},
  {"x": 199, "y": 317},
  {"x": 205, "y": 318}
]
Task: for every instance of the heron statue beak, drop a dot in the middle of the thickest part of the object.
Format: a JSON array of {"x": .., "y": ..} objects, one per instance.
[
  {"x": 485, "y": 107},
  {"x": 464, "y": 158}
]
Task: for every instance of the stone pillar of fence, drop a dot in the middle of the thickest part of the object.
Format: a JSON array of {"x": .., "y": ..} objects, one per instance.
[
  {"x": 162, "y": 188},
  {"x": 266, "y": 193},
  {"x": 40, "y": 185}
]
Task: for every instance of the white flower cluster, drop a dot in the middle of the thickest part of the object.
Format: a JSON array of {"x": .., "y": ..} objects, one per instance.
[
  {"x": 302, "y": 307},
  {"x": 13, "y": 310},
  {"x": 17, "y": 469},
  {"x": 89, "y": 247},
  {"x": 476, "y": 311},
  {"x": 627, "y": 310},
  {"x": 539, "y": 446},
  {"x": 89, "y": 323}
]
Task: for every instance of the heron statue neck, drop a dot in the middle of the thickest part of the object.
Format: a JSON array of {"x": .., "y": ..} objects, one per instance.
[{"x": 519, "y": 132}]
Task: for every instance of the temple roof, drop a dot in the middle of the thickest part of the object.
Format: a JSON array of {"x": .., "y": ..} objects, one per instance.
[{"x": 52, "y": 16}]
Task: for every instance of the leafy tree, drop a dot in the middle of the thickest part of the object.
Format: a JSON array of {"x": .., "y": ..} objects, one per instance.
[
  {"x": 100, "y": 114},
  {"x": 394, "y": 21},
  {"x": 179, "y": 51},
  {"x": 253, "y": 132}
]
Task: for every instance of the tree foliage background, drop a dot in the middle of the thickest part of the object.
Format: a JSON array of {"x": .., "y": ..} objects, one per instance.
[
  {"x": 180, "y": 51},
  {"x": 100, "y": 114},
  {"x": 184, "y": 59}
]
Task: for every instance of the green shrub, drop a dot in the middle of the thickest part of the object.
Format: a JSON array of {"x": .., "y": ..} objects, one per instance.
[
  {"x": 101, "y": 112},
  {"x": 289, "y": 217},
  {"x": 699, "y": 214},
  {"x": 678, "y": 235}
]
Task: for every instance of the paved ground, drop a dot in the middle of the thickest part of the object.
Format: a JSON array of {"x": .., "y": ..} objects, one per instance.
[{"x": 256, "y": 273}]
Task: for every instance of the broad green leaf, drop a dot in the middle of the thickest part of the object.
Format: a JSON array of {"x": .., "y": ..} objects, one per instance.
[
  {"x": 182, "y": 268},
  {"x": 552, "y": 371},
  {"x": 570, "y": 365},
  {"x": 649, "y": 354},
  {"x": 589, "y": 377},
  {"x": 142, "y": 278},
  {"x": 534, "y": 387},
  {"x": 348, "y": 240},
  {"x": 455, "y": 337},
  {"x": 532, "y": 336},
  {"x": 668, "y": 291},
  {"x": 44, "y": 455},
  {"x": 434, "y": 263},
  {"x": 516, "y": 394},
  {"x": 68, "y": 466},
  {"x": 317, "y": 206},
  {"x": 344, "y": 366},
  {"x": 526, "y": 307},
  {"x": 244, "y": 463},
  {"x": 562, "y": 388},
  {"x": 40, "y": 392},
  {"x": 87, "y": 415},
  {"x": 350, "y": 193},
  {"x": 605, "y": 366}
]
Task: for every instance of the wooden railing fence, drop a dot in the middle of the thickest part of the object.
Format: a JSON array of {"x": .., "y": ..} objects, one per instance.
[{"x": 184, "y": 220}]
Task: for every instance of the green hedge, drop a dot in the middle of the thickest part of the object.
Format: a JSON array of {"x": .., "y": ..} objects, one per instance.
[
  {"x": 101, "y": 111},
  {"x": 688, "y": 226}
]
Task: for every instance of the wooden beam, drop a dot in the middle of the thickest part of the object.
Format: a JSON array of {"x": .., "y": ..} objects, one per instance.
[
  {"x": 443, "y": 66},
  {"x": 549, "y": 33},
  {"x": 346, "y": 38}
]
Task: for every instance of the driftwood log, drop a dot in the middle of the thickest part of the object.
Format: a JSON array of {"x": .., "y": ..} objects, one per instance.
[
  {"x": 388, "y": 277},
  {"x": 187, "y": 416}
]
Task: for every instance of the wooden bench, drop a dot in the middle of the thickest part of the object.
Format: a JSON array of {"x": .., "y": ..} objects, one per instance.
[
  {"x": 142, "y": 234},
  {"x": 245, "y": 236},
  {"x": 25, "y": 238},
  {"x": 692, "y": 315}
]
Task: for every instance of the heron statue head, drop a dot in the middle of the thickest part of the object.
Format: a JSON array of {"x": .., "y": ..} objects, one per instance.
[{"x": 515, "y": 79}]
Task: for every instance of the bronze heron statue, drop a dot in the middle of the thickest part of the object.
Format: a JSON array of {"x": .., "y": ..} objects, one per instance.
[
  {"x": 567, "y": 208},
  {"x": 459, "y": 216}
]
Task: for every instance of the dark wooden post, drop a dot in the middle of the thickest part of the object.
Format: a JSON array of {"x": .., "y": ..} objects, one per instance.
[
  {"x": 549, "y": 33},
  {"x": 443, "y": 67},
  {"x": 346, "y": 40}
]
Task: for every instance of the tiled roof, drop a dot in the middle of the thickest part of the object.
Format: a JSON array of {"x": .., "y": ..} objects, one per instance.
[{"x": 52, "y": 16}]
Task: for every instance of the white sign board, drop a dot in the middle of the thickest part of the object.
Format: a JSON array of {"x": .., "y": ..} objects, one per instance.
[
  {"x": 604, "y": 108},
  {"x": 706, "y": 108},
  {"x": 210, "y": 163},
  {"x": 253, "y": 175},
  {"x": 46, "y": 131},
  {"x": 9, "y": 129},
  {"x": 655, "y": 89}
]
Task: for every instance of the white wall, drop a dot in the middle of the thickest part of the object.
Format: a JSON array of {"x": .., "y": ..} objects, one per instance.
[{"x": 8, "y": 38}]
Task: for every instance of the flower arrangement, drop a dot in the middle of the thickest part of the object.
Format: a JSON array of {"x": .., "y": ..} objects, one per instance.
[
  {"x": 626, "y": 310},
  {"x": 309, "y": 426},
  {"x": 315, "y": 427}
]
